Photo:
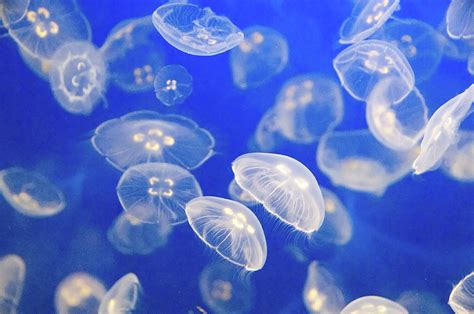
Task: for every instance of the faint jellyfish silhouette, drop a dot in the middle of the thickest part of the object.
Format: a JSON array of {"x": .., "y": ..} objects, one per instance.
[
  {"x": 195, "y": 31},
  {"x": 39, "y": 66},
  {"x": 461, "y": 299},
  {"x": 374, "y": 305},
  {"x": 285, "y": 187},
  {"x": 237, "y": 194},
  {"x": 266, "y": 137},
  {"x": 11, "y": 11},
  {"x": 12, "y": 277},
  {"x": 456, "y": 49},
  {"x": 259, "y": 57},
  {"x": 147, "y": 136},
  {"x": 173, "y": 84},
  {"x": 459, "y": 19},
  {"x": 123, "y": 297},
  {"x": 154, "y": 192},
  {"x": 229, "y": 228},
  {"x": 457, "y": 162},
  {"x": 30, "y": 193},
  {"x": 361, "y": 66},
  {"x": 420, "y": 302},
  {"x": 470, "y": 63}
]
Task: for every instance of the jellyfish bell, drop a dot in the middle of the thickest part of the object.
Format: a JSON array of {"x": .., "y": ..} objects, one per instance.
[
  {"x": 374, "y": 305},
  {"x": 173, "y": 85},
  {"x": 459, "y": 21},
  {"x": 461, "y": 299},
  {"x": 457, "y": 162},
  {"x": 123, "y": 297},
  {"x": 12, "y": 277}
]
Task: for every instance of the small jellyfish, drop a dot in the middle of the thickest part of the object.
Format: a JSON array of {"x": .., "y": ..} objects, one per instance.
[
  {"x": 156, "y": 192},
  {"x": 147, "y": 136},
  {"x": 259, "y": 57},
  {"x": 421, "y": 302},
  {"x": 373, "y": 305},
  {"x": 237, "y": 194},
  {"x": 285, "y": 187},
  {"x": 12, "y": 277},
  {"x": 457, "y": 162},
  {"x": 30, "y": 193},
  {"x": 123, "y": 297},
  {"x": 361, "y": 66},
  {"x": 78, "y": 77},
  {"x": 173, "y": 84},
  {"x": 470, "y": 63},
  {"x": 78, "y": 293},
  {"x": 459, "y": 19},
  {"x": 39, "y": 66},
  {"x": 366, "y": 18},
  {"x": 229, "y": 228},
  {"x": 461, "y": 299},
  {"x": 442, "y": 130},
  {"x": 195, "y": 31},
  {"x": 266, "y": 137}
]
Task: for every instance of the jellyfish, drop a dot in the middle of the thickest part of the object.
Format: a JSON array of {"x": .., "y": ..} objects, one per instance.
[
  {"x": 237, "y": 194},
  {"x": 461, "y": 299},
  {"x": 156, "y": 192},
  {"x": 285, "y": 187},
  {"x": 307, "y": 107},
  {"x": 147, "y": 136},
  {"x": 78, "y": 77},
  {"x": 366, "y": 18},
  {"x": 39, "y": 66},
  {"x": 173, "y": 84},
  {"x": 30, "y": 193},
  {"x": 361, "y": 66},
  {"x": 459, "y": 19},
  {"x": 267, "y": 135},
  {"x": 259, "y": 57},
  {"x": 123, "y": 297},
  {"x": 229, "y": 228},
  {"x": 195, "y": 31},
  {"x": 457, "y": 163},
  {"x": 419, "y": 302},
  {"x": 12, "y": 277},
  {"x": 11, "y": 11},
  {"x": 374, "y": 305},
  {"x": 79, "y": 293},
  {"x": 442, "y": 130}
]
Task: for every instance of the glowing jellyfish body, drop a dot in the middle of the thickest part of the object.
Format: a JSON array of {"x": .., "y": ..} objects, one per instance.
[
  {"x": 459, "y": 19},
  {"x": 173, "y": 84},
  {"x": 260, "y": 56},
  {"x": 374, "y": 305},
  {"x": 147, "y": 136},
  {"x": 361, "y": 66},
  {"x": 123, "y": 297},
  {"x": 457, "y": 162},
  {"x": 30, "y": 193},
  {"x": 237, "y": 194},
  {"x": 366, "y": 18},
  {"x": 156, "y": 192},
  {"x": 442, "y": 130},
  {"x": 78, "y": 77},
  {"x": 461, "y": 299},
  {"x": 285, "y": 187},
  {"x": 229, "y": 228},
  {"x": 195, "y": 31},
  {"x": 12, "y": 277}
]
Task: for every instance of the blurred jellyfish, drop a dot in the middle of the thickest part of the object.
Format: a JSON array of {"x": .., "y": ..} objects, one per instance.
[
  {"x": 374, "y": 305},
  {"x": 456, "y": 49},
  {"x": 196, "y": 31},
  {"x": 78, "y": 77},
  {"x": 285, "y": 187},
  {"x": 11, "y": 11},
  {"x": 39, "y": 66},
  {"x": 78, "y": 293},
  {"x": 173, "y": 84},
  {"x": 147, "y": 136},
  {"x": 156, "y": 192},
  {"x": 459, "y": 19},
  {"x": 133, "y": 54},
  {"x": 12, "y": 277},
  {"x": 266, "y": 136},
  {"x": 461, "y": 299},
  {"x": 123, "y": 297},
  {"x": 420, "y": 302},
  {"x": 470, "y": 63},
  {"x": 229, "y": 228},
  {"x": 260, "y": 56},
  {"x": 30, "y": 193},
  {"x": 237, "y": 194},
  {"x": 457, "y": 162}
]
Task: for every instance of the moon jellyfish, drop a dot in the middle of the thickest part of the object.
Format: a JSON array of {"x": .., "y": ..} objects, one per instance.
[
  {"x": 307, "y": 107},
  {"x": 259, "y": 57},
  {"x": 266, "y": 136},
  {"x": 195, "y": 31},
  {"x": 374, "y": 305},
  {"x": 419, "y": 302},
  {"x": 457, "y": 162},
  {"x": 78, "y": 77},
  {"x": 442, "y": 130},
  {"x": 366, "y": 18},
  {"x": 123, "y": 297},
  {"x": 78, "y": 293},
  {"x": 459, "y": 19},
  {"x": 237, "y": 194},
  {"x": 285, "y": 187},
  {"x": 39, "y": 66},
  {"x": 320, "y": 294},
  {"x": 12, "y": 277},
  {"x": 11, "y": 11},
  {"x": 361, "y": 66},
  {"x": 173, "y": 84},
  {"x": 147, "y": 136},
  {"x": 461, "y": 299},
  {"x": 157, "y": 192},
  {"x": 30, "y": 193},
  {"x": 229, "y": 228}
]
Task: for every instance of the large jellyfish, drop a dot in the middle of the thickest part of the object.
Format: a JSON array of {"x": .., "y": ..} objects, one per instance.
[
  {"x": 147, "y": 136},
  {"x": 373, "y": 305},
  {"x": 285, "y": 187},
  {"x": 123, "y": 297},
  {"x": 229, "y": 228},
  {"x": 460, "y": 19},
  {"x": 237, "y": 194},
  {"x": 173, "y": 85},
  {"x": 461, "y": 299},
  {"x": 457, "y": 162},
  {"x": 12, "y": 277}
]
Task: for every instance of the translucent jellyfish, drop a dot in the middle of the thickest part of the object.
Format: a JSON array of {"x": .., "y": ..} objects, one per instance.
[
  {"x": 133, "y": 54},
  {"x": 196, "y": 31},
  {"x": 366, "y": 18},
  {"x": 361, "y": 66},
  {"x": 237, "y": 194},
  {"x": 229, "y": 228},
  {"x": 223, "y": 291},
  {"x": 461, "y": 299},
  {"x": 173, "y": 84},
  {"x": 78, "y": 293},
  {"x": 320, "y": 293},
  {"x": 374, "y": 305},
  {"x": 285, "y": 187},
  {"x": 400, "y": 125},
  {"x": 259, "y": 57},
  {"x": 30, "y": 193},
  {"x": 266, "y": 136},
  {"x": 78, "y": 77},
  {"x": 357, "y": 161},
  {"x": 123, "y": 297},
  {"x": 11, "y": 11},
  {"x": 457, "y": 162},
  {"x": 470, "y": 63},
  {"x": 442, "y": 130},
  {"x": 459, "y": 19},
  {"x": 156, "y": 192},
  {"x": 12, "y": 277},
  {"x": 39, "y": 66},
  {"x": 419, "y": 302},
  {"x": 307, "y": 107},
  {"x": 147, "y": 136}
]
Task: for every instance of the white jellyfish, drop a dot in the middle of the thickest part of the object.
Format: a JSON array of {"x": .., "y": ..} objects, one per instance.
[
  {"x": 237, "y": 194},
  {"x": 173, "y": 84},
  {"x": 461, "y": 299},
  {"x": 459, "y": 19},
  {"x": 12, "y": 277},
  {"x": 373, "y": 305},
  {"x": 457, "y": 163},
  {"x": 123, "y": 297}
]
